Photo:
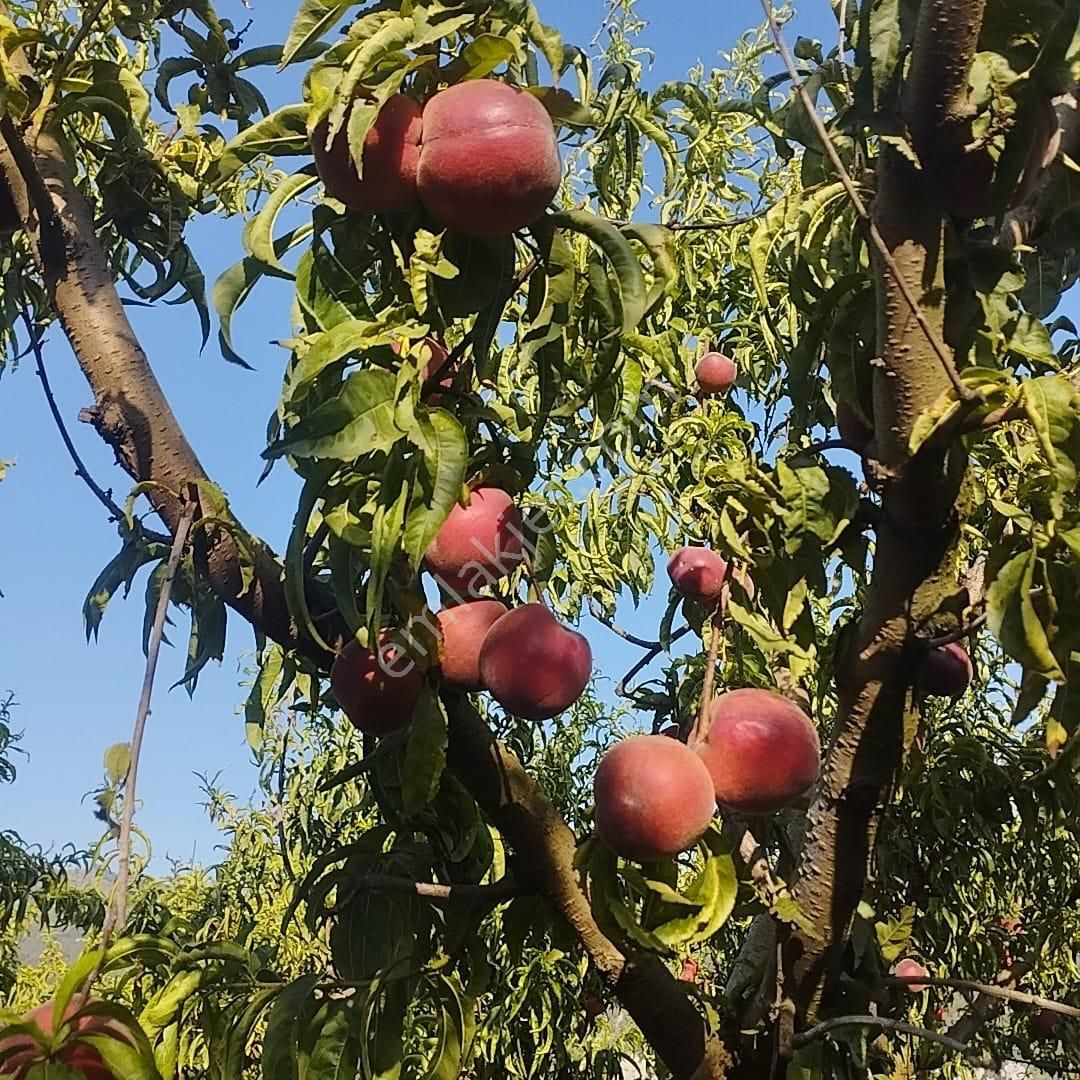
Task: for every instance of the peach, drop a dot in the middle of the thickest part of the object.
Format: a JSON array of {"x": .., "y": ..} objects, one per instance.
[
  {"x": 478, "y": 544},
  {"x": 715, "y": 373},
  {"x": 489, "y": 164},
  {"x": 463, "y": 628},
  {"x": 390, "y": 157},
  {"x": 21, "y": 1053},
  {"x": 698, "y": 574},
  {"x": 909, "y": 968},
  {"x": 947, "y": 672},
  {"x": 761, "y": 750},
  {"x": 654, "y": 798},
  {"x": 534, "y": 666},
  {"x": 377, "y": 692}
]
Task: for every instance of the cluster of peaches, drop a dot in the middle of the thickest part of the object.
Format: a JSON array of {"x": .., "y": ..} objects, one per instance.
[{"x": 480, "y": 157}]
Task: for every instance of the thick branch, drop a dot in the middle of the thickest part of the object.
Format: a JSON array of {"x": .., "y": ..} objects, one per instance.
[
  {"x": 914, "y": 571},
  {"x": 521, "y": 811},
  {"x": 130, "y": 410}
]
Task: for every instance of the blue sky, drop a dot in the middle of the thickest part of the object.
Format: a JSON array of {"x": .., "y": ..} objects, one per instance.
[{"x": 76, "y": 699}]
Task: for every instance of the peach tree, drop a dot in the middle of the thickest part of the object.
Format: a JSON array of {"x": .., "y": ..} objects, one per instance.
[{"x": 547, "y": 328}]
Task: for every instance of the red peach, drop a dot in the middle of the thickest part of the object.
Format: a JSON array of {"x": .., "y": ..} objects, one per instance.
[
  {"x": 908, "y": 968},
  {"x": 390, "y": 158},
  {"x": 592, "y": 1004},
  {"x": 534, "y": 666},
  {"x": 761, "y": 750},
  {"x": 463, "y": 628},
  {"x": 489, "y": 164},
  {"x": 689, "y": 971},
  {"x": 698, "y": 574},
  {"x": 947, "y": 672},
  {"x": 377, "y": 692},
  {"x": 478, "y": 543},
  {"x": 654, "y": 798},
  {"x": 22, "y": 1052},
  {"x": 715, "y": 373}
]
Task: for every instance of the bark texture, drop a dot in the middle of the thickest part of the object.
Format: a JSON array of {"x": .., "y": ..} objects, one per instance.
[{"x": 914, "y": 572}]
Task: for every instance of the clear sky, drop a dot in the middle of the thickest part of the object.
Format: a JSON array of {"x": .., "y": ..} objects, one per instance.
[{"x": 76, "y": 699}]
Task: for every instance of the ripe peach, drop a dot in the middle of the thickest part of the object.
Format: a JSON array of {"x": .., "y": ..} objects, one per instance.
[
  {"x": 761, "y": 750},
  {"x": 437, "y": 355},
  {"x": 21, "y": 1053},
  {"x": 689, "y": 971},
  {"x": 478, "y": 543},
  {"x": 654, "y": 798},
  {"x": 854, "y": 430},
  {"x": 377, "y": 692},
  {"x": 698, "y": 574},
  {"x": 463, "y": 628},
  {"x": 946, "y": 672},
  {"x": 390, "y": 158},
  {"x": 489, "y": 163},
  {"x": 906, "y": 969},
  {"x": 533, "y": 665},
  {"x": 715, "y": 373}
]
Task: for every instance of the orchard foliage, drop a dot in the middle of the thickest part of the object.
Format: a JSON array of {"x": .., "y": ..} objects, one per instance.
[{"x": 378, "y": 912}]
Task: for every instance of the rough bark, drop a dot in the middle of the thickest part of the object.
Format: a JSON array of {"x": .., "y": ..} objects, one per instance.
[
  {"x": 913, "y": 574},
  {"x": 133, "y": 416}
]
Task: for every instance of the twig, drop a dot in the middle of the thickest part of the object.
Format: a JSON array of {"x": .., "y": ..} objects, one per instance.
[
  {"x": 884, "y": 1023},
  {"x": 80, "y": 468},
  {"x": 153, "y": 648},
  {"x": 470, "y": 895},
  {"x": 990, "y": 990},
  {"x": 597, "y": 613},
  {"x": 963, "y": 392},
  {"x": 841, "y": 47},
  {"x": 644, "y": 662},
  {"x": 64, "y": 63},
  {"x": 701, "y": 726},
  {"x": 117, "y": 909}
]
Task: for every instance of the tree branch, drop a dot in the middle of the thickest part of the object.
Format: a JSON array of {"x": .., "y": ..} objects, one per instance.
[
  {"x": 103, "y": 496},
  {"x": 990, "y": 990},
  {"x": 131, "y": 413},
  {"x": 883, "y": 1023},
  {"x": 476, "y": 896}
]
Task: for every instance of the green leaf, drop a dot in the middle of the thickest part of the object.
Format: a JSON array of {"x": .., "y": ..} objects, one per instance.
[
  {"x": 425, "y": 753},
  {"x": 258, "y": 236},
  {"x": 1013, "y": 620},
  {"x": 117, "y": 761},
  {"x": 439, "y": 481},
  {"x": 281, "y": 134},
  {"x": 374, "y": 934},
  {"x": 313, "y": 19},
  {"x": 357, "y": 421},
  {"x": 893, "y": 936},
  {"x": 619, "y": 253},
  {"x": 290, "y": 1015},
  {"x": 336, "y": 1054}
]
